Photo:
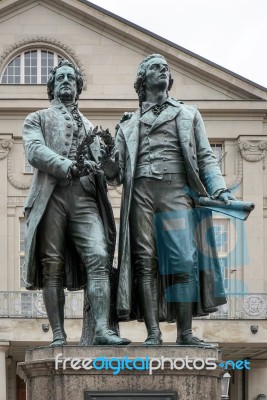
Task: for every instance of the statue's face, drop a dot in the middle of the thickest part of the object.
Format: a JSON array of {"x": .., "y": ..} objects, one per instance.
[
  {"x": 65, "y": 86},
  {"x": 157, "y": 74}
]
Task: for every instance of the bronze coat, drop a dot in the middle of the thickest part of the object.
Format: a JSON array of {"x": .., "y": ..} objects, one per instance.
[
  {"x": 204, "y": 177},
  {"x": 47, "y": 136}
]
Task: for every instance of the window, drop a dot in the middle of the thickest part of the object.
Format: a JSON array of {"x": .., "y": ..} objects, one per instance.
[
  {"x": 218, "y": 150},
  {"x": 221, "y": 230},
  {"x": 28, "y": 168},
  {"x": 22, "y": 253},
  {"x": 30, "y": 67}
]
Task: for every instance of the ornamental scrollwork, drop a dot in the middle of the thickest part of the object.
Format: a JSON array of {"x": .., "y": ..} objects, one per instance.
[
  {"x": 253, "y": 152},
  {"x": 12, "y": 179},
  {"x": 239, "y": 176},
  {"x": 254, "y": 306},
  {"x": 5, "y": 146}
]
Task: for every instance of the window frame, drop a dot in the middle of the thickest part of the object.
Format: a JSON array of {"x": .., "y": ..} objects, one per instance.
[
  {"x": 56, "y": 57},
  {"x": 28, "y": 166},
  {"x": 226, "y": 272},
  {"x": 222, "y": 144}
]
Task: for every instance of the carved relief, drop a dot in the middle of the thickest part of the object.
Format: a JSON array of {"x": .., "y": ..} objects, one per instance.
[
  {"x": 14, "y": 177},
  {"x": 5, "y": 146},
  {"x": 16, "y": 201},
  {"x": 253, "y": 152},
  {"x": 239, "y": 176},
  {"x": 254, "y": 306},
  {"x": 41, "y": 41}
]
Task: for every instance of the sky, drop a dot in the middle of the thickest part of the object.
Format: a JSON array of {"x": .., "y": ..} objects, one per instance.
[{"x": 231, "y": 33}]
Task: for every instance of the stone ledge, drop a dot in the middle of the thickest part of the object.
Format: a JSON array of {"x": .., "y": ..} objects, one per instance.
[{"x": 132, "y": 351}]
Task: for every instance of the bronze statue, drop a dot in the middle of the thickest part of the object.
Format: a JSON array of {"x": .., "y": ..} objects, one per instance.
[
  {"x": 70, "y": 236},
  {"x": 165, "y": 164}
]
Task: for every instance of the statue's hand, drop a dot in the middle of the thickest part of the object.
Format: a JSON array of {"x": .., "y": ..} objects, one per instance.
[
  {"x": 110, "y": 165},
  {"x": 226, "y": 197},
  {"x": 90, "y": 167},
  {"x": 73, "y": 171}
]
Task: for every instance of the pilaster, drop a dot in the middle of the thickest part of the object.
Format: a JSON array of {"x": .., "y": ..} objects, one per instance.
[{"x": 4, "y": 346}]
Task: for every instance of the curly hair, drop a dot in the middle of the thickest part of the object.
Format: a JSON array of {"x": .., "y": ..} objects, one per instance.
[
  {"x": 141, "y": 77},
  {"x": 51, "y": 79}
]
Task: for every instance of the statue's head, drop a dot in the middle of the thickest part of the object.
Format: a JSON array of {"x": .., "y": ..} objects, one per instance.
[
  {"x": 142, "y": 75},
  {"x": 64, "y": 82}
]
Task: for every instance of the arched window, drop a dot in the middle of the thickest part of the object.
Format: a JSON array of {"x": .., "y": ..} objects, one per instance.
[{"x": 30, "y": 67}]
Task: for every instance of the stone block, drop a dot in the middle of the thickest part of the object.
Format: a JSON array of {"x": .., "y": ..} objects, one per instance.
[{"x": 183, "y": 372}]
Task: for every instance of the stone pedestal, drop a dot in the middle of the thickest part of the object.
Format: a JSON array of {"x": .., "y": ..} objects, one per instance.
[{"x": 179, "y": 370}]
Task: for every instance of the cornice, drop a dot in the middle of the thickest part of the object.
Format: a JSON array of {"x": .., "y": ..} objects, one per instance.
[{"x": 105, "y": 106}]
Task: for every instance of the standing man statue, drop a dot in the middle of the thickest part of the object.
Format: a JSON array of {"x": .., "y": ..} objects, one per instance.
[
  {"x": 166, "y": 163},
  {"x": 70, "y": 226}
]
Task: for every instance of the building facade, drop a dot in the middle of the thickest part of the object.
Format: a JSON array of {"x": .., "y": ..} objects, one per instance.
[{"x": 34, "y": 35}]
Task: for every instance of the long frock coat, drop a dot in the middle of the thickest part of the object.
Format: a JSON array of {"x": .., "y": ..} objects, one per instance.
[
  {"x": 204, "y": 177},
  {"x": 47, "y": 136}
]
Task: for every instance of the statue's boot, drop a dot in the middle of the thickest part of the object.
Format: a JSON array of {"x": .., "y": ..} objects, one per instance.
[
  {"x": 185, "y": 335},
  {"x": 99, "y": 298},
  {"x": 54, "y": 300},
  {"x": 148, "y": 301}
]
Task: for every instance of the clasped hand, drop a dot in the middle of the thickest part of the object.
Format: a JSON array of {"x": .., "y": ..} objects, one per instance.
[
  {"x": 109, "y": 164},
  {"x": 226, "y": 197},
  {"x": 88, "y": 167}
]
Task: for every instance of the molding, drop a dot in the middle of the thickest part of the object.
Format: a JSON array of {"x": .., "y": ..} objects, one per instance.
[
  {"x": 11, "y": 176},
  {"x": 38, "y": 41},
  {"x": 16, "y": 201},
  {"x": 253, "y": 152},
  {"x": 5, "y": 146},
  {"x": 254, "y": 306},
  {"x": 239, "y": 176}
]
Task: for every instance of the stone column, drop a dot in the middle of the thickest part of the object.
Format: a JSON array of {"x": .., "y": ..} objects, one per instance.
[{"x": 4, "y": 346}]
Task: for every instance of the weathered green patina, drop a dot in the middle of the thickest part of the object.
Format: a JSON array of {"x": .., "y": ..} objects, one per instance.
[
  {"x": 166, "y": 163},
  {"x": 70, "y": 236}
]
